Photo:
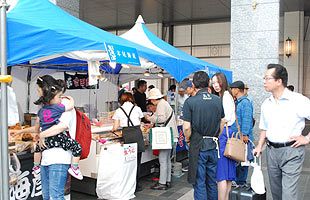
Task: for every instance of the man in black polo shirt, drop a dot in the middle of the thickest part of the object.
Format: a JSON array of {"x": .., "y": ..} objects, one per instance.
[
  {"x": 202, "y": 116},
  {"x": 140, "y": 97}
]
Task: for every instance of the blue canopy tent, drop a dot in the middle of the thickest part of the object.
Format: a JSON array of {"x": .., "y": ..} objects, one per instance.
[
  {"x": 38, "y": 28},
  {"x": 186, "y": 65}
]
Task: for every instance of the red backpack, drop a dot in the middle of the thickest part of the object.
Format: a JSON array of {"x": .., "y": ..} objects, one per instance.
[{"x": 83, "y": 133}]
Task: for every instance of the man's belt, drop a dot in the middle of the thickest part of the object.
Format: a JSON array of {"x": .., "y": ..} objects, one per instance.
[{"x": 280, "y": 144}]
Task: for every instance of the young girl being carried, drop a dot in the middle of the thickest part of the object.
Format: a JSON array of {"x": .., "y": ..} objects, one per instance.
[{"x": 50, "y": 91}]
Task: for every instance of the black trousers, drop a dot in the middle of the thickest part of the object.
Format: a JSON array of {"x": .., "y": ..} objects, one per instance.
[{"x": 138, "y": 167}]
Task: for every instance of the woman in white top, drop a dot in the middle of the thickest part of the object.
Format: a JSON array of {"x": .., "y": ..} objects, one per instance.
[
  {"x": 128, "y": 116},
  {"x": 226, "y": 168},
  {"x": 163, "y": 115}
]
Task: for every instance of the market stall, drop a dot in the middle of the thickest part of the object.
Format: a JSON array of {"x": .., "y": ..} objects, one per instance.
[
  {"x": 45, "y": 33},
  {"x": 53, "y": 45}
]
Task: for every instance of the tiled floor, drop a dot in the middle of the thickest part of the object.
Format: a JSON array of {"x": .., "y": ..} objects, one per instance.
[{"x": 181, "y": 190}]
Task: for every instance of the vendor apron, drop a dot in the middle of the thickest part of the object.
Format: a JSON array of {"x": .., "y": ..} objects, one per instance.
[{"x": 133, "y": 134}]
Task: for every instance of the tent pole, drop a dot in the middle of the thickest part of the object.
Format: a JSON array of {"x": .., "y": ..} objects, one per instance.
[
  {"x": 28, "y": 88},
  {"x": 4, "y": 105}
]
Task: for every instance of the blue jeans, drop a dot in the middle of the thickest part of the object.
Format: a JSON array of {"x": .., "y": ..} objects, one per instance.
[
  {"x": 205, "y": 186},
  {"x": 242, "y": 174},
  {"x": 53, "y": 180}
]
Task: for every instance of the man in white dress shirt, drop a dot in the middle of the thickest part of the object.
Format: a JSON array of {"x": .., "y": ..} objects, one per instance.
[{"x": 282, "y": 120}]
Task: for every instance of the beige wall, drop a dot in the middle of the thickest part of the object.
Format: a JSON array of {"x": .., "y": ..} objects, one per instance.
[{"x": 209, "y": 42}]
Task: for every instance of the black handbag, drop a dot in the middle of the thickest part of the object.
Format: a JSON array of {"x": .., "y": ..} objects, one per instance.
[{"x": 133, "y": 134}]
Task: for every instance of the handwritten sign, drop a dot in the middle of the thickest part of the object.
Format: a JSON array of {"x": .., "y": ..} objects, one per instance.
[{"x": 130, "y": 152}]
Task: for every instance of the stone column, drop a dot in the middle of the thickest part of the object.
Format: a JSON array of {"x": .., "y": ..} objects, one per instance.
[
  {"x": 71, "y": 6},
  {"x": 294, "y": 29},
  {"x": 254, "y": 44}
]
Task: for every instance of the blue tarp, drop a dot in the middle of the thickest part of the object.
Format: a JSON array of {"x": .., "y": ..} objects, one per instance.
[{"x": 38, "y": 28}]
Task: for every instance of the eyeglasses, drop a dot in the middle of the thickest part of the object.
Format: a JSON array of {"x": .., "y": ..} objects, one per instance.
[{"x": 268, "y": 78}]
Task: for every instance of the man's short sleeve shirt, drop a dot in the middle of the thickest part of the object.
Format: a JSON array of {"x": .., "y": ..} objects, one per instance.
[
  {"x": 204, "y": 111},
  {"x": 285, "y": 117}
]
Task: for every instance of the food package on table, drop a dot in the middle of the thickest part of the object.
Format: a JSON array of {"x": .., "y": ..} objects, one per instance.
[
  {"x": 21, "y": 146},
  {"x": 24, "y": 146},
  {"x": 15, "y": 127},
  {"x": 110, "y": 114},
  {"x": 27, "y": 137},
  {"x": 145, "y": 128},
  {"x": 110, "y": 137}
]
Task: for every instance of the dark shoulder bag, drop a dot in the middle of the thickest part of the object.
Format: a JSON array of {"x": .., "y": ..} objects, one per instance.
[{"x": 133, "y": 134}]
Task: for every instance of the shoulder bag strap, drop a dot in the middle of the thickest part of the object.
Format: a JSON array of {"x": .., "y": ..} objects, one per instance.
[
  {"x": 226, "y": 124},
  {"x": 237, "y": 124},
  {"x": 128, "y": 116},
  {"x": 168, "y": 120}
]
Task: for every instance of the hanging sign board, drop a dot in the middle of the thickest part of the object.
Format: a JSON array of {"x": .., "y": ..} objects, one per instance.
[
  {"x": 78, "y": 81},
  {"x": 122, "y": 54}
]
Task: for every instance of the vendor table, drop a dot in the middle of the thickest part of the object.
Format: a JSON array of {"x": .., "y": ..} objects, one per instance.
[{"x": 89, "y": 166}]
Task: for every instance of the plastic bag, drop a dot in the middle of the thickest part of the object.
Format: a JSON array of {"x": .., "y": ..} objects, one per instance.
[
  {"x": 257, "y": 178},
  {"x": 116, "y": 174}
]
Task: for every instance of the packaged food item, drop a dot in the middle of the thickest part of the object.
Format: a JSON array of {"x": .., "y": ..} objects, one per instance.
[
  {"x": 15, "y": 127},
  {"x": 23, "y": 146},
  {"x": 27, "y": 137}
]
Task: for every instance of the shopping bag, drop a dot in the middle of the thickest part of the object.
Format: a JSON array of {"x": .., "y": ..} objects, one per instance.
[
  {"x": 257, "y": 178},
  {"x": 235, "y": 147},
  {"x": 249, "y": 156},
  {"x": 116, "y": 175},
  {"x": 246, "y": 162},
  {"x": 161, "y": 138}
]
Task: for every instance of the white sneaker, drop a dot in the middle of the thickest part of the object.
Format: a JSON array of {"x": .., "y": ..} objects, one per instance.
[
  {"x": 75, "y": 172},
  {"x": 185, "y": 169},
  {"x": 234, "y": 184}
]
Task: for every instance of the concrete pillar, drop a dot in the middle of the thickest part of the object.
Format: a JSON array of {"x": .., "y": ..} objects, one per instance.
[
  {"x": 294, "y": 29},
  {"x": 71, "y": 6},
  {"x": 254, "y": 44}
]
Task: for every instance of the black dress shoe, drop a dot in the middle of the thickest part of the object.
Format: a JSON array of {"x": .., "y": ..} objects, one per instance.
[
  {"x": 159, "y": 186},
  {"x": 138, "y": 188},
  {"x": 168, "y": 184}
]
